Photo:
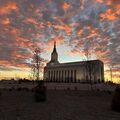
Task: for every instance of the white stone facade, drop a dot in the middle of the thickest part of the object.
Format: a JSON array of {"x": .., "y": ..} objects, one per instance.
[{"x": 83, "y": 71}]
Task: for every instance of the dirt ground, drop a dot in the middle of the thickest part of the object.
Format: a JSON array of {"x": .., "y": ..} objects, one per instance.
[{"x": 60, "y": 105}]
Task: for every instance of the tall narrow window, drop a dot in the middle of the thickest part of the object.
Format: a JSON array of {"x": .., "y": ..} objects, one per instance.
[
  {"x": 75, "y": 75},
  {"x": 68, "y": 78},
  {"x": 59, "y": 76},
  {"x": 65, "y": 75},
  {"x": 49, "y": 75},
  {"x": 62, "y": 75},
  {"x": 71, "y": 76},
  {"x": 56, "y": 76}
]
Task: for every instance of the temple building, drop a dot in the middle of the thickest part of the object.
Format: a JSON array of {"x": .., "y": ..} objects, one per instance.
[{"x": 91, "y": 71}]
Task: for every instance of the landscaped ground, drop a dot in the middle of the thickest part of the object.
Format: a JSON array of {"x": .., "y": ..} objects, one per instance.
[{"x": 60, "y": 105}]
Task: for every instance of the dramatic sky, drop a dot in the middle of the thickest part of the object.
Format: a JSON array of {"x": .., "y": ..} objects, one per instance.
[{"x": 78, "y": 26}]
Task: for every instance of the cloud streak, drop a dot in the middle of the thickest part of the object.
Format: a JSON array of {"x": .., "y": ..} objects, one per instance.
[{"x": 81, "y": 25}]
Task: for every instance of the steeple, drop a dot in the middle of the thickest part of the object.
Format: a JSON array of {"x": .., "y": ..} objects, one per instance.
[
  {"x": 54, "y": 55},
  {"x": 54, "y": 46}
]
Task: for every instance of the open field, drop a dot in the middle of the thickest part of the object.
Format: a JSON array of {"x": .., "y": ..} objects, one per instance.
[{"x": 60, "y": 105}]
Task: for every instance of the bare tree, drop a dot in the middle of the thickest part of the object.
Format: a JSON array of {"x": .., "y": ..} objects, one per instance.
[
  {"x": 111, "y": 75},
  {"x": 36, "y": 64},
  {"x": 111, "y": 65},
  {"x": 87, "y": 54}
]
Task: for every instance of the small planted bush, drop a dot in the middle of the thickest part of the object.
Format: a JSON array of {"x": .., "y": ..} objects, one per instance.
[
  {"x": 75, "y": 88},
  {"x": 19, "y": 89},
  {"x": 40, "y": 92},
  {"x": 25, "y": 89},
  {"x": 116, "y": 100},
  {"x": 68, "y": 89},
  {"x": 10, "y": 89}
]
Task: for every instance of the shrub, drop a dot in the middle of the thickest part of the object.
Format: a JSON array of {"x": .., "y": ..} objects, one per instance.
[
  {"x": 13, "y": 88},
  {"x": 33, "y": 89},
  {"x": 68, "y": 89},
  {"x": 98, "y": 89},
  {"x": 109, "y": 92},
  {"x": 19, "y": 89},
  {"x": 25, "y": 89},
  {"x": 10, "y": 89},
  {"x": 40, "y": 93},
  {"x": 103, "y": 81},
  {"x": 75, "y": 88},
  {"x": 116, "y": 100}
]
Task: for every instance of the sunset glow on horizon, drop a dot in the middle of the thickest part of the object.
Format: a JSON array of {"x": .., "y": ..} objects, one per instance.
[{"x": 77, "y": 26}]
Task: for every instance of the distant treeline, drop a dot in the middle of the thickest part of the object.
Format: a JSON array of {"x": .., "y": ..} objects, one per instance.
[{"x": 24, "y": 80}]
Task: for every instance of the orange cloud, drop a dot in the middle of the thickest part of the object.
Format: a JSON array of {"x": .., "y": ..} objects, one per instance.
[
  {"x": 75, "y": 52},
  {"x": 109, "y": 2},
  {"x": 8, "y": 8},
  {"x": 80, "y": 32},
  {"x": 91, "y": 35},
  {"x": 100, "y": 1},
  {"x": 109, "y": 15},
  {"x": 23, "y": 42},
  {"x": 82, "y": 3},
  {"x": 64, "y": 27},
  {"x": 17, "y": 55},
  {"x": 49, "y": 24},
  {"x": 66, "y": 6},
  {"x": 118, "y": 9},
  {"x": 41, "y": 25},
  {"x": 5, "y": 21},
  {"x": 15, "y": 32},
  {"x": 31, "y": 20},
  {"x": 5, "y": 62}
]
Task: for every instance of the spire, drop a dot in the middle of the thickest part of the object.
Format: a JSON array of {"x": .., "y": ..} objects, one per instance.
[
  {"x": 54, "y": 55},
  {"x": 54, "y": 45}
]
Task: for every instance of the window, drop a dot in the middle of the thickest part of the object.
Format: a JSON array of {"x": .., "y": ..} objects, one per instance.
[
  {"x": 65, "y": 75},
  {"x": 62, "y": 75},
  {"x": 48, "y": 75},
  {"x": 68, "y": 76},
  {"x": 75, "y": 75},
  {"x": 71, "y": 75},
  {"x": 59, "y": 75}
]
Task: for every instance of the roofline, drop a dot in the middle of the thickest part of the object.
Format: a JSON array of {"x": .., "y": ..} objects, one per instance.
[
  {"x": 83, "y": 61},
  {"x": 72, "y": 63}
]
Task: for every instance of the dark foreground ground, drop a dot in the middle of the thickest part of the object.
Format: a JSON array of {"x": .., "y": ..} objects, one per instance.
[{"x": 60, "y": 105}]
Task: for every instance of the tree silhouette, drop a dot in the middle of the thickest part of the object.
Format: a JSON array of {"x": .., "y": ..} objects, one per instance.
[{"x": 36, "y": 64}]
